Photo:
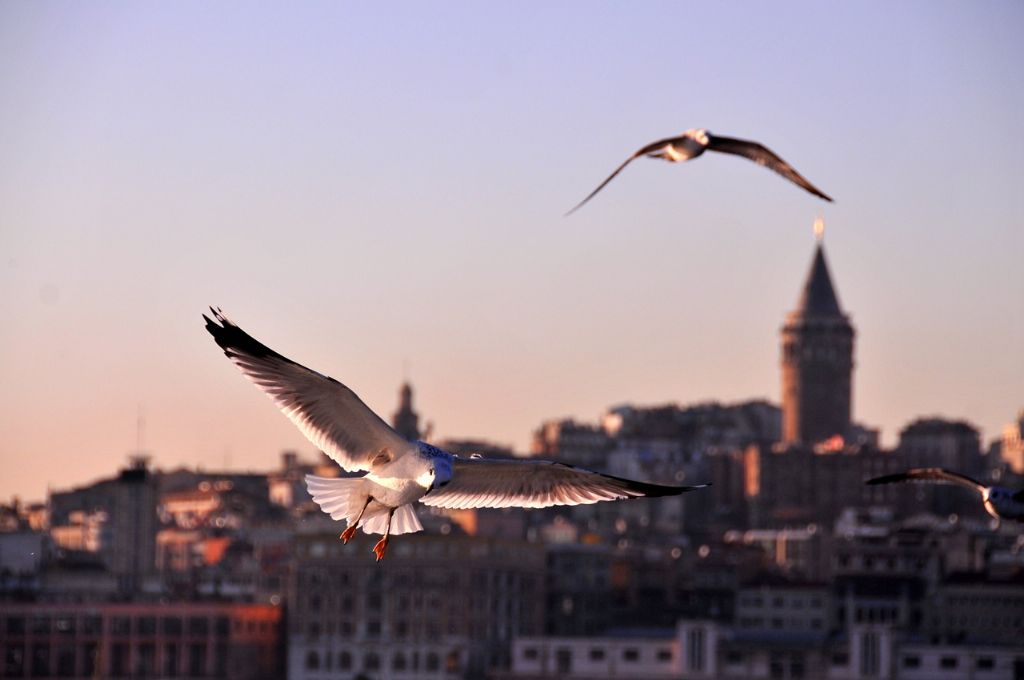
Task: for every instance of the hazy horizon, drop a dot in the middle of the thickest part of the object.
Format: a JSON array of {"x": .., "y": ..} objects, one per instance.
[{"x": 364, "y": 189}]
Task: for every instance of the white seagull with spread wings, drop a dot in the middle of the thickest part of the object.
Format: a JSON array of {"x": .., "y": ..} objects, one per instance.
[
  {"x": 999, "y": 501},
  {"x": 400, "y": 472},
  {"x": 694, "y": 142}
]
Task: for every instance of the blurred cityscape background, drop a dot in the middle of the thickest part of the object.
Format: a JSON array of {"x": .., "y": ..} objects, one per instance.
[
  {"x": 367, "y": 185},
  {"x": 787, "y": 567}
]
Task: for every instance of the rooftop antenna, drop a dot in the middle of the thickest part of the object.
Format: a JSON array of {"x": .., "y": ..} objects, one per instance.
[
  {"x": 139, "y": 460},
  {"x": 140, "y": 428}
]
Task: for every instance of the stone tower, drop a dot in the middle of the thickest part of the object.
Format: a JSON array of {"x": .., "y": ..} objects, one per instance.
[
  {"x": 817, "y": 361},
  {"x": 406, "y": 421}
]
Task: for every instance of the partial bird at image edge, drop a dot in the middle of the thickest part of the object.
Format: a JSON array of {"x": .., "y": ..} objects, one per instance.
[{"x": 1000, "y": 502}]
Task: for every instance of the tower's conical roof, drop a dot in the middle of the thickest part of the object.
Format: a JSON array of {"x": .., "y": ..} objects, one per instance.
[{"x": 818, "y": 297}]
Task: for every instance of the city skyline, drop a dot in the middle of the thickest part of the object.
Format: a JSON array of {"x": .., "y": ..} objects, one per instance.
[{"x": 418, "y": 202}]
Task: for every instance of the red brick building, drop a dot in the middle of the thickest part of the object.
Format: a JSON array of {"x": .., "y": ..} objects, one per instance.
[{"x": 139, "y": 640}]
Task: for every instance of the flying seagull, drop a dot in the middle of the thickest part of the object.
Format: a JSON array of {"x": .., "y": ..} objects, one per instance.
[
  {"x": 400, "y": 472},
  {"x": 694, "y": 142},
  {"x": 1000, "y": 502}
]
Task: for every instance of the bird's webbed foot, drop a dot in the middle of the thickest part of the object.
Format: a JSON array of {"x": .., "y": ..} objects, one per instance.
[
  {"x": 381, "y": 548},
  {"x": 348, "y": 533}
]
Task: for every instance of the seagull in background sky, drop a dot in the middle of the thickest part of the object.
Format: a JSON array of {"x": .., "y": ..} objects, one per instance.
[
  {"x": 400, "y": 472},
  {"x": 1000, "y": 502},
  {"x": 694, "y": 142}
]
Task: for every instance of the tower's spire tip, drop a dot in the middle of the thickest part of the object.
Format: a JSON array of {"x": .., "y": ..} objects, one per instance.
[{"x": 819, "y": 229}]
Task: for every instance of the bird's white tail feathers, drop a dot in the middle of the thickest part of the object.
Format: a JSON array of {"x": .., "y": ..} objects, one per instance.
[
  {"x": 343, "y": 498},
  {"x": 405, "y": 521}
]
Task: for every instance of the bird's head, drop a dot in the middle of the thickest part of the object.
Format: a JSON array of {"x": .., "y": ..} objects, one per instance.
[
  {"x": 997, "y": 494},
  {"x": 699, "y": 135},
  {"x": 442, "y": 473}
]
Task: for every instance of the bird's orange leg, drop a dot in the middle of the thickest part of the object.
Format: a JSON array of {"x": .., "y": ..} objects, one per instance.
[
  {"x": 348, "y": 533},
  {"x": 382, "y": 545}
]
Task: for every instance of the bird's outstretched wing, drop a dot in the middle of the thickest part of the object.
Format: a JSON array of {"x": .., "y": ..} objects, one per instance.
[
  {"x": 327, "y": 412},
  {"x": 482, "y": 483},
  {"x": 653, "y": 146},
  {"x": 763, "y": 156},
  {"x": 937, "y": 475}
]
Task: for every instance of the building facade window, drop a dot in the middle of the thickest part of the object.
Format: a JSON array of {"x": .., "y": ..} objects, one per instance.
[
  {"x": 65, "y": 625},
  {"x": 869, "y": 661},
  {"x": 695, "y": 649},
  {"x": 222, "y": 626},
  {"x": 171, "y": 660},
  {"x": 563, "y": 661},
  {"x": 146, "y": 625},
  {"x": 453, "y": 662},
  {"x": 121, "y": 625},
  {"x": 90, "y": 653},
  {"x": 197, "y": 659},
  {"x": 198, "y": 625},
  {"x": 171, "y": 625},
  {"x": 797, "y": 667},
  {"x": 65, "y": 662},
  {"x": 119, "y": 658},
  {"x": 145, "y": 660}
]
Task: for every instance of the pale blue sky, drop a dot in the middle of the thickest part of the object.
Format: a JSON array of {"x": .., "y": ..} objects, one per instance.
[{"x": 362, "y": 185}]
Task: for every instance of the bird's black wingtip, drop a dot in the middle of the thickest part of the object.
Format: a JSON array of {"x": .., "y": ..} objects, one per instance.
[
  {"x": 218, "y": 327},
  {"x": 218, "y": 314},
  {"x": 233, "y": 340},
  {"x": 887, "y": 479},
  {"x": 218, "y": 322},
  {"x": 658, "y": 490}
]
